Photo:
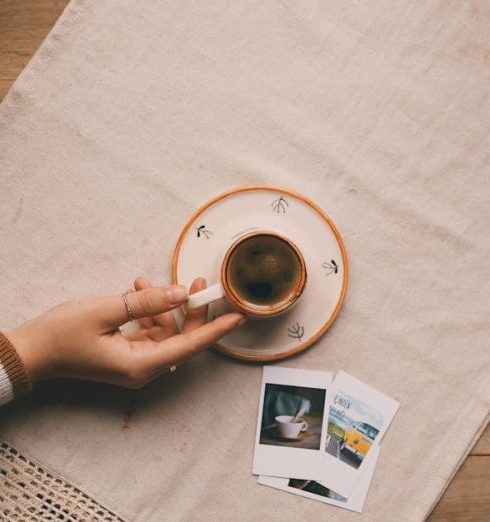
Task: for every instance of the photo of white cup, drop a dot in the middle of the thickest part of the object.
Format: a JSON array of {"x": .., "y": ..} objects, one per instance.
[{"x": 287, "y": 429}]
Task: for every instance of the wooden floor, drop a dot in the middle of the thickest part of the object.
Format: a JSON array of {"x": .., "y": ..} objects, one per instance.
[{"x": 23, "y": 26}]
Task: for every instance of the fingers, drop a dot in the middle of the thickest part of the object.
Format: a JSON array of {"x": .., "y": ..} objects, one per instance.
[
  {"x": 112, "y": 312},
  {"x": 139, "y": 284},
  {"x": 164, "y": 324},
  {"x": 183, "y": 346},
  {"x": 195, "y": 317}
]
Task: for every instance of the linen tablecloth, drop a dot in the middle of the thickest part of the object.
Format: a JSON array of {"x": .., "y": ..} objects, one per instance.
[{"x": 132, "y": 114}]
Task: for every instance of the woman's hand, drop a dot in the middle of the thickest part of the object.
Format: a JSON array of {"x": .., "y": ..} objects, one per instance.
[{"x": 81, "y": 339}]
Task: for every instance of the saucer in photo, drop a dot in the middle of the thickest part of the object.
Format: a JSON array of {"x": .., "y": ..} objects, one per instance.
[{"x": 218, "y": 222}]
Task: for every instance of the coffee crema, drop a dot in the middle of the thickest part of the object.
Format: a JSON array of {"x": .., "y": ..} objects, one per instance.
[{"x": 264, "y": 272}]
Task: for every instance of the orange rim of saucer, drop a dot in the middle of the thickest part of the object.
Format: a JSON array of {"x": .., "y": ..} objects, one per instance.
[
  {"x": 232, "y": 295},
  {"x": 271, "y": 188}
]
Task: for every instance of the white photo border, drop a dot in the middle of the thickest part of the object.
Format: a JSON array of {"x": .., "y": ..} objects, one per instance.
[
  {"x": 279, "y": 461},
  {"x": 337, "y": 475},
  {"x": 356, "y": 500}
]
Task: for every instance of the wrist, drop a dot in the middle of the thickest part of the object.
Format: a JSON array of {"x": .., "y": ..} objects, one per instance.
[{"x": 29, "y": 345}]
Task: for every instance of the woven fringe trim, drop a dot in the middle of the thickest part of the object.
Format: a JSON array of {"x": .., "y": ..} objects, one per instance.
[{"x": 29, "y": 492}]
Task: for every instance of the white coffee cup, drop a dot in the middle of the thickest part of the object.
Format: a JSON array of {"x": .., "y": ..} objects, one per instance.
[
  {"x": 287, "y": 429},
  {"x": 224, "y": 288}
]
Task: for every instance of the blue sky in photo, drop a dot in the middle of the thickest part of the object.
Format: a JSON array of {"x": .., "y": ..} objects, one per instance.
[{"x": 358, "y": 412}]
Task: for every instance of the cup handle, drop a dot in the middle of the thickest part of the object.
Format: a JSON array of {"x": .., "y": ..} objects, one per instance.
[
  {"x": 304, "y": 426},
  {"x": 206, "y": 296}
]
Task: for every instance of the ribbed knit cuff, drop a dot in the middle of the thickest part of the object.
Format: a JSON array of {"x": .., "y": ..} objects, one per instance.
[{"x": 15, "y": 380}]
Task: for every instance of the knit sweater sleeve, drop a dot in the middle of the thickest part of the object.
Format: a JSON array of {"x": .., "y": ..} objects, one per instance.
[{"x": 15, "y": 380}]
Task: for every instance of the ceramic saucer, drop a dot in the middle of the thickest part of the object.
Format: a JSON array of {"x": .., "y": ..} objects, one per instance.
[{"x": 212, "y": 227}]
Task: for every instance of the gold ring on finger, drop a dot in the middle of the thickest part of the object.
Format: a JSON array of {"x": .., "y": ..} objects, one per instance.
[{"x": 128, "y": 308}]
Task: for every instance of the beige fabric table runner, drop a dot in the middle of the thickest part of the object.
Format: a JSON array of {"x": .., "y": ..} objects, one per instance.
[{"x": 132, "y": 114}]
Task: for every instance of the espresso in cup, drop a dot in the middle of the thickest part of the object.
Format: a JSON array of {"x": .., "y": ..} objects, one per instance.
[{"x": 264, "y": 273}]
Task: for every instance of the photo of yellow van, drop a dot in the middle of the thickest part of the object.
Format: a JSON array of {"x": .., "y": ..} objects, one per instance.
[
  {"x": 358, "y": 438},
  {"x": 353, "y": 426}
]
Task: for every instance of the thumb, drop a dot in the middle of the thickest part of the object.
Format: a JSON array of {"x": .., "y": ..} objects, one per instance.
[{"x": 112, "y": 311}]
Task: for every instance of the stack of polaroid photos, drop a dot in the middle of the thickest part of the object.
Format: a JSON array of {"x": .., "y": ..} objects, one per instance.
[{"x": 319, "y": 437}]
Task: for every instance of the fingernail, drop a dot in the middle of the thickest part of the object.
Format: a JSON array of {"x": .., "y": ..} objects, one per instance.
[
  {"x": 177, "y": 294},
  {"x": 243, "y": 320},
  {"x": 202, "y": 283}
]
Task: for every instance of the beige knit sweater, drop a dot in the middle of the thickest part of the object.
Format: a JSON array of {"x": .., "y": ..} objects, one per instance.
[{"x": 15, "y": 380}]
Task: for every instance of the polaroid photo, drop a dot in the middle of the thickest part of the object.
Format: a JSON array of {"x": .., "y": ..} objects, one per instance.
[
  {"x": 317, "y": 491},
  {"x": 291, "y": 423},
  {"x": 358, "y": 418}
]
